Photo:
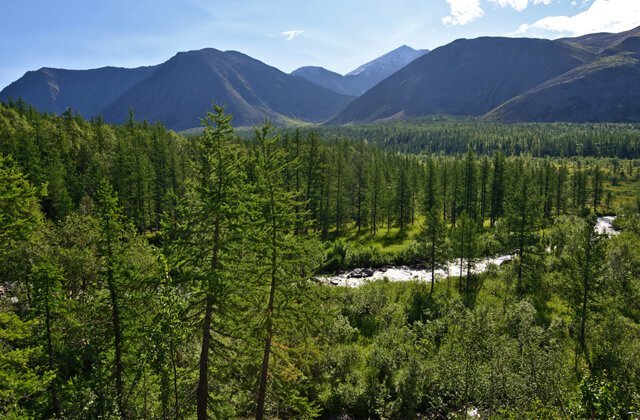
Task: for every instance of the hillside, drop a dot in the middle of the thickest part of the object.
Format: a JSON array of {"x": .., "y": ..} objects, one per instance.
[
  {"x": 84, "y": 91},
  {"x": 590, "y": 78},
  {"x": 596, "y": 92},
  {"x": 181, "y": 91}
]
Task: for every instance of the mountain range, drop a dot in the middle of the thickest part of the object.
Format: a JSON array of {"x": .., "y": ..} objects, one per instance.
[
  {"x": 181, "y": 90},
  {"x": 586, "y": 79}
]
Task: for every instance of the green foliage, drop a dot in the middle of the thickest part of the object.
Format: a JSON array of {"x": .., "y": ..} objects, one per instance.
[
  {"x": 448, "y": 136},
  {"x": 22, "y": 382},
  {"x": 20, "y": 214},
  {"x": 143, "y": 273}
]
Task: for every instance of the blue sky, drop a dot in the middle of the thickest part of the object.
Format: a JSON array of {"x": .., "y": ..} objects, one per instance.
[{"x": 338, "y": 35}]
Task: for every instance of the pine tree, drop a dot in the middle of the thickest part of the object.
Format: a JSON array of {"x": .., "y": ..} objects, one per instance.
[
  {"x": 497, "y": 188},
  {"x": 47, "y": 289},
  {"x": 465, "y": 243}
]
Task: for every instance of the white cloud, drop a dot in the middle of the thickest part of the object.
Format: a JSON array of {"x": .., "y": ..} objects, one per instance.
[
  {"x": 602, "y": 16},
  {"x": 518, "y": 5},
  {"x": 289, "y": 35},
  {"x": 463, "y": 12}
]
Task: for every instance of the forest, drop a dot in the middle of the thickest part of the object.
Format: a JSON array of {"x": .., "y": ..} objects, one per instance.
[{"x": 148, "y": 274}]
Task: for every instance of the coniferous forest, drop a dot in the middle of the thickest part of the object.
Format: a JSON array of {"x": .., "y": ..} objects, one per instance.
[{"x": 149, "y": 274}]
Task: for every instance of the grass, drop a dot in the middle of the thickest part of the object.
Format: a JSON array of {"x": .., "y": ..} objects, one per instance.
[{"x": 388, "y": 241}]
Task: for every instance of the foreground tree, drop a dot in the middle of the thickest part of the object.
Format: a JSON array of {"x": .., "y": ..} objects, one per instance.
[
  {"x": 22, "y": 377},
  {"x": 208, "y": 238},
  {"x": 47, "y": 281},
  {"x": 287, "y": 257},
  {"x": 111, "y": 234}
]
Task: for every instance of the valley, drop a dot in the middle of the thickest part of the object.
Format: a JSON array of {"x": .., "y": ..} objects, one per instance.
[{"x": 450, "y": 232}]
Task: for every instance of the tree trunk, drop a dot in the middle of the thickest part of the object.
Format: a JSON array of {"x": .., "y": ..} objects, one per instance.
[
  {"x": 175, "y": 384},
  {"x": 117, "y": 333},
  {"x": 585, "y": 298},
  {"x": 269, "y": 320},
  {"x": 203, "y": 380},
  {"x": 433, "y": 259},
  {"x": 53, "y": 385}
]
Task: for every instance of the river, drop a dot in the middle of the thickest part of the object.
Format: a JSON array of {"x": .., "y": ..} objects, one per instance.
[{"x": 604, "y": 225}]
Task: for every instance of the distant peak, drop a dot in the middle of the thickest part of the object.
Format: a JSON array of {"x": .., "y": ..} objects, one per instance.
[{"x": 391, "y": 61}]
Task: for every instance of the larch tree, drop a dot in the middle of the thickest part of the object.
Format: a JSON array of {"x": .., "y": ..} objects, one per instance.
[
  {"x": 586, "y": 257},
  {"x": 434, "y": 228},
  {"x": 111, "y": 233},
  {"x": 286, "y": 259},
  {"x": 208, "y": 237},
  {"x": 521, "y": 224}
]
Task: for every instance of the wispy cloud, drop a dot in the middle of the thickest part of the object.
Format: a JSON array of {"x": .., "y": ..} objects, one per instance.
[
  {"x": 463, "y": 12},
  {"x": 602, "y": 16},
  {"x": 289, "y": 35},
  {"x": 518, "y": 5}
]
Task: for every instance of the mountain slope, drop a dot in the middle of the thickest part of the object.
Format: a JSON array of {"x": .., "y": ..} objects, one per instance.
[
  {"x": 326, "y": 78},
  {"x": 84, "y": 91},
  {"x": 466, "y": 77},
  {"x": 363, "y": 78},
  {"x": 601, "y": 42},
  {"x": 606, "y": 89},
  {"x": 182, "y": 90}
]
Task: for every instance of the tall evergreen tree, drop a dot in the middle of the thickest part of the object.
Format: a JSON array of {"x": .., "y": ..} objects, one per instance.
[
  {"x": 434, "y": 228},
  {"x": 585, "y": 271},
  {"x": 110, "y": 240},
  {"x": 288, "y": 257},
  {"x": 208, "y": 238},
  {"x": 521, "y": 224}
]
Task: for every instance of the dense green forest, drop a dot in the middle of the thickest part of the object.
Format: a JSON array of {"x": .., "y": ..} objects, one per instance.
[
  {"x": 450, "y": 135},
  {"x": 144, "y": 274}
]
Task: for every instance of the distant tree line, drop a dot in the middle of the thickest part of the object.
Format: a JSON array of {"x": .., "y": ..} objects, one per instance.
[{"x": 447, "y": 135}]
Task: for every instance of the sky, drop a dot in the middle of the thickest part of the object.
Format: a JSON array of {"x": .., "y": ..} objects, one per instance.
[{"x": 339, "y": 35}]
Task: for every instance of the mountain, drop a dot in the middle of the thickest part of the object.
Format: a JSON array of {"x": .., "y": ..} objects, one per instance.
[
  {"x": 590, "y": 78},
  {"x": 601, "y": 42},
  {"x": 327, "y": 79},
  {"x": 602, "y": 90},
  {"x": 466, "y": 77},
  {"x": 182, "y": 89},
  {"x": 363, "y": 78},
  {"x": 84, "y": 91},
  {"x": 605, "y": 90}
]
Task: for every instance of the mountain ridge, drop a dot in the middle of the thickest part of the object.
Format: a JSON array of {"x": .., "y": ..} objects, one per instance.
[
  {"x": 182, "y": 89},
  {"x": 54, "y": 90},
  {"x": 593, "y": 78}
]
